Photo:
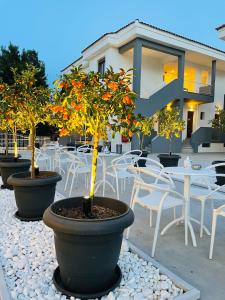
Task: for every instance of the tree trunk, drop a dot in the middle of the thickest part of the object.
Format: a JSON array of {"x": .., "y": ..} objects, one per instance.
[
  {"x": 94, "y": 165},
  {"x": 6, "y": 143},
  {"x": 15, "y": 142},
  {"x": 33, "y": 136},
  {"x": 170, "y": 146}
]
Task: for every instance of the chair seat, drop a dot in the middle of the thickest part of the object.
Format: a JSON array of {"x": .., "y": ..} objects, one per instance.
[
  {"x": 122, "y": 174},
  {"x": 201, "y": 194},
  {"x": 152, "y": 201},
  {"x": 81, "y": 170}
]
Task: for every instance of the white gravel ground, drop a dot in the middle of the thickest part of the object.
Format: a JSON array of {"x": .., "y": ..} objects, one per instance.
[{"x": 27, "y": 256}]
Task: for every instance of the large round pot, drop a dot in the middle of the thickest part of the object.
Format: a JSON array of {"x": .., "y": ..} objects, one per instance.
[
  {"x": 169, "y": 160},
  {"x": 33, "y": 196},
  {"x": 87, "y": 250},
  {"x": 9, "y": 156},
  {"x": 142, "y": 162},
  {"x": 11, "y": 166},
  {"x": 219, "y": 170}
]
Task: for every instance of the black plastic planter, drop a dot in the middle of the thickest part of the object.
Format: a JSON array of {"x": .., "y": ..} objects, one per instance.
[
  {"x": 11, "y": 166},
  {"x": 142, "y": 161},
  {"x": 169, "y": 160},
  {"x": 87, "y": 250},
  {"x": 219, "y": 170},
  {"x": 33, "y": 196},
  {"x": 9, "y": 156}
]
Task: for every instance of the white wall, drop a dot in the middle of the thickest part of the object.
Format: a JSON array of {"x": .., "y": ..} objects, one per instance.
[{"x": 151, "y": 75}]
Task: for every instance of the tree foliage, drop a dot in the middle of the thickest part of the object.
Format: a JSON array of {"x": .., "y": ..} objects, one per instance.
[
  {"x": 170, "y": 123},
  {"x": 145, "y": 126},
  {"x": 219, "y": 120},
  {"x": 11, "y": 58},
  {"x": 24, "y": 104},
  {"x": 92, "y": 103}
]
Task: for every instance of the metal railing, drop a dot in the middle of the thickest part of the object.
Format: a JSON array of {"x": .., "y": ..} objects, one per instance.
[
  {"x": 197, "y": 87},
  {"x": 22, "y": 140}
]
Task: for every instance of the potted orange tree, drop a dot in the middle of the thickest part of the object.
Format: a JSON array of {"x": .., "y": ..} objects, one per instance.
[
  {"x": 145, "y": 127},
  {"x": 88, "y": 230},
  {"x": 9, "y": 122},
  {"x": 34, "y": 191},
  {"x": 171, "y": 125}
]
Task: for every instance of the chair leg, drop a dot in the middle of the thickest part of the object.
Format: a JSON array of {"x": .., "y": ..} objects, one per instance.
[
  {"x": 156, "y": 232},
  {"x": 67, "y": 179},
  {"x": 150, "y": 219},
  {"x": 174, "y": 213},
  {"x": 213, "y": 232},
  {"x": 72, "y": 182},
  {"x": 202, "y": 218},
  {"x": 117, "y": 188},
  {"x": 128, "y": 229}
]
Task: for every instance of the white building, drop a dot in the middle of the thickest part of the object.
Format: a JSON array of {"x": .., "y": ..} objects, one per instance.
[{"x": 169, "y": 69}]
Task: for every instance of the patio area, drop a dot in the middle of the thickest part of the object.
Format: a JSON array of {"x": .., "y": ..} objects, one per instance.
[{"x": 189, "y": 263}]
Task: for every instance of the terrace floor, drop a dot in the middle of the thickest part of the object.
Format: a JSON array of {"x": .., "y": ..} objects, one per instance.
[{"x": 191, "y": 264}]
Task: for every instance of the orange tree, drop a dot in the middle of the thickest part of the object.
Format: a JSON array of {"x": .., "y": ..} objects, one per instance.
[
  {"x": 91, "y": 103},
  {"x": 32, "y": 105},
  {"x": 171, "y": 124},
  {"x": 10, "y": 115},
  {"x": 144, "y": 127}
]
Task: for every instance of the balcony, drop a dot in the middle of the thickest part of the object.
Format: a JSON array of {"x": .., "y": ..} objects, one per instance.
[{"x": 197, "y": 91}]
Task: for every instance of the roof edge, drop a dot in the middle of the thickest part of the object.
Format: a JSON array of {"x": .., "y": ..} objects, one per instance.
[
  {"x": 220, "y": 27},
  {"x": 71, "y": 63}
]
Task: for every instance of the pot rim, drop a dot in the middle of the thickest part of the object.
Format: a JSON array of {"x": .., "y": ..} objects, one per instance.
[
  {"x": 89, "y": 220},
  {"x": 166, "y": 155},
  {"x": 11, "y": 163},
  {"x": 14, "y": 180},
  {"x": 88, "y": 227}
]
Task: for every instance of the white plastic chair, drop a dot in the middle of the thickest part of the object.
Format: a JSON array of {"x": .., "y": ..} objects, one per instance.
[
  {"x": 118, "y": 170},
  {"x": 160, "y": 196},
  {"x": 210, "y": 193},
  {"x": 42, "y": 157},
  {"x": 62, "y": 158},
  {"x": 77, "y": 167},
  {"x": 220, "y": 211}
]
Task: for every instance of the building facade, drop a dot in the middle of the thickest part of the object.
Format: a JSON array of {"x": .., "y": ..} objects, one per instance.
[{"x": 169, "y": 69}]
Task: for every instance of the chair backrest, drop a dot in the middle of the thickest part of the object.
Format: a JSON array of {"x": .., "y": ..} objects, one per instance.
[
  {"x": 150, "y": 163},
  {"x": 156, "y": 177},
  {"x": 84, "y": 148}
]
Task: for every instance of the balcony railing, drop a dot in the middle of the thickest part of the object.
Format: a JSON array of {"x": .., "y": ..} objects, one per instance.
[{"x": 197, "y": 87}]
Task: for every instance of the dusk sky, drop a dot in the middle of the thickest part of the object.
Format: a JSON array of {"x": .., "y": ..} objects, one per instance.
[{"x": 60, "y": 29}]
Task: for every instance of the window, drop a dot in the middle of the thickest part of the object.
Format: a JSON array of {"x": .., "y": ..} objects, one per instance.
[
  {"x": 202, "y": 115},
  {"x": 204, "y": 77},
  {"x": 101, "y": 65}
]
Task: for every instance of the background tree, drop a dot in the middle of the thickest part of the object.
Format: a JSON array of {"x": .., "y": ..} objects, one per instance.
[
  {"x": 32, "y": 105},
  {"x": 11, "y": 58},
  {"x": 219, "y": 120},
  {"x": 145, "y": 126},
  {"x": 171, "y": 124}
]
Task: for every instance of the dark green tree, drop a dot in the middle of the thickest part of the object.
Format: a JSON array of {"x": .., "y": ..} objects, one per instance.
[{"x": 11, "y": 57}]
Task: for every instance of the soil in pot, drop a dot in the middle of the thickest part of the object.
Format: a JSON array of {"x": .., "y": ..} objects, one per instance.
[
  {"x": 11, "y": 166},
  {"x": 168, "y": 160},
  {"x": 33, "y": 195},
  {"x": 87, "y": 250},
  {"x": 219, "y": 170},
  {"x": 98, "y": 212}
]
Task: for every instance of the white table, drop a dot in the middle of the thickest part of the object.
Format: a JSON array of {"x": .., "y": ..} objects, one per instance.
[{"x": 187, "y": 173}]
